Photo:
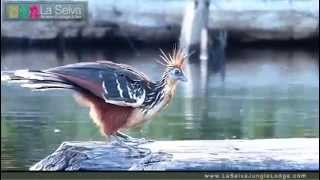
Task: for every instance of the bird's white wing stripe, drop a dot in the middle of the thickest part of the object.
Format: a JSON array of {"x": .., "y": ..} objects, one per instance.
[
  {"x": 104, "y": 87},
  {"x": 119, "y": 88},
  {"x": 141, "y": 98},
  {"x": 139, "y": 101},
  {"x": 28, "y": 75},
  {"x": 129, "y": 92}
]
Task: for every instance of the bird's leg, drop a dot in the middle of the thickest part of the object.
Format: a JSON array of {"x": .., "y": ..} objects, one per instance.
[
  {"x": 131, "y": 140},
  {"x": 134, "y": 150}
]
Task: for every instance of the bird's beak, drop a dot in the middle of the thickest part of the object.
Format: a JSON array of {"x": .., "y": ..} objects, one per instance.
[{"x": 183, "y": 78}]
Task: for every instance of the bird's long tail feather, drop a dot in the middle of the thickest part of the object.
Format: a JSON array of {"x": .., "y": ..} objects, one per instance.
[{"x": 36, "y": 80}]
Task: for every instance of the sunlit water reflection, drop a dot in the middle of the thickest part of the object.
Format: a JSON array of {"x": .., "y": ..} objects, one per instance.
[{"x": 256, "y": 93}]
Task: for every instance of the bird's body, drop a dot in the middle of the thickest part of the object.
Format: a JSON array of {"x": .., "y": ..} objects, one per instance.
[
  {"x": 135, "y": 109},
  {"x": 118, "y": 96}
]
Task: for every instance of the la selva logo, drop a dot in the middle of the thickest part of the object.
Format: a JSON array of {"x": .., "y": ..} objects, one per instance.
[
  {"x": 34, "y": 11},
  {"x": 23, "y": 11},
  {"x": 46, "y": 10},
  {"x": 13, "y": 11}
]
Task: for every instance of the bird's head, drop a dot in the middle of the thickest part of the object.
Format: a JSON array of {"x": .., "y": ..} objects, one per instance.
[
  {"x": 177, "y": 74},
  {"x": 174, "y": 63}
]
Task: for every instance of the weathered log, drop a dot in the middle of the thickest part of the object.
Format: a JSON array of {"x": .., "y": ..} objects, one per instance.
[
  {"x": 160, "y": 20},
  {"x": 262, "y": 154}
]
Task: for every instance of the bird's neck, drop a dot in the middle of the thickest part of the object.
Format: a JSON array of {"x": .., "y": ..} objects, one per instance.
[
  {"x": 168, "y": 87},
  {"x": 167, "y": 83},
  {"x": 161, "y": 91}
]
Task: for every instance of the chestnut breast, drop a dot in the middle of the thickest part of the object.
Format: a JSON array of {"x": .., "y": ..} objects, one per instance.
[{"x": 138, "y": 116}]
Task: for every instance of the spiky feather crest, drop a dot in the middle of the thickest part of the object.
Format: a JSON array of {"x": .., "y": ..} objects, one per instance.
[{"x": 175, "y": 59}]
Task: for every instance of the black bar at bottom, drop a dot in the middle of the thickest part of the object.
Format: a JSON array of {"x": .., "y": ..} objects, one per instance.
[{"x": 161, "y": 175}]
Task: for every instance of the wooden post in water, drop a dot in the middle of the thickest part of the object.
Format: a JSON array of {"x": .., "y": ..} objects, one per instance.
[
  {"x": 194, "y": 29},
  {"x": 194, "y": 38},
  {"x": 206, "y": 48}
]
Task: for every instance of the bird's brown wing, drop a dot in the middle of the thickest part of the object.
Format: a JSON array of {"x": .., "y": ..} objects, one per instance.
[
  {"x": 117, "y": 84},
  {"x": 110, "y": 90}
]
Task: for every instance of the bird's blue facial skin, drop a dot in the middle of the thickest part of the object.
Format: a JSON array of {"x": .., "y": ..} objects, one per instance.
[{"x": 177, "y": 74}]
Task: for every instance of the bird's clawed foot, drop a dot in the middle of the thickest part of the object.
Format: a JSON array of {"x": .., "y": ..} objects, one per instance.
[
  {"x": 131, "y": 144},
  {"x": 132, "y": 141}
]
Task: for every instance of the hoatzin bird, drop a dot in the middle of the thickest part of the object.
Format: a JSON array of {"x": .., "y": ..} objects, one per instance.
[{"x": 119, "y": 97}]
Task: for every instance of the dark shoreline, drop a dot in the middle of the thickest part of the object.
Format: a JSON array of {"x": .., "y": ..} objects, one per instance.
[{"x": 7, "y": 43}]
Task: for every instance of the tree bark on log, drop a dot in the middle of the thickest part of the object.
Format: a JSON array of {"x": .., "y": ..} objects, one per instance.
[
  {"x": 261, "y": 154},
  {"x": 160, "y": 20}
]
